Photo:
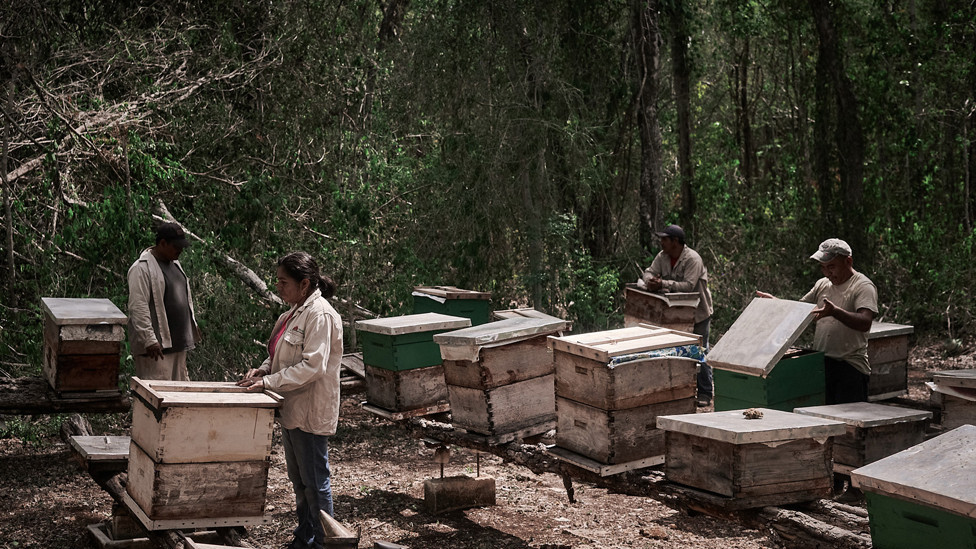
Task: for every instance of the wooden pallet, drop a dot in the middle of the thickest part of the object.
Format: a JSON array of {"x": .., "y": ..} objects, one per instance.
[{"x": 504, "y": 438}]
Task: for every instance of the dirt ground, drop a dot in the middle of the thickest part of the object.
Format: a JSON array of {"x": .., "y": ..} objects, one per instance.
[{"x": 46, "y": 501}]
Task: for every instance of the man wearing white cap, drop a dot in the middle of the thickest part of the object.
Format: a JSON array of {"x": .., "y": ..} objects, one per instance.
[{"x": 847, "y": 303}]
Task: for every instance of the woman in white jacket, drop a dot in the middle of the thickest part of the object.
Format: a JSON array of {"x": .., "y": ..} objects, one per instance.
[{"x": 304, "y": 353}]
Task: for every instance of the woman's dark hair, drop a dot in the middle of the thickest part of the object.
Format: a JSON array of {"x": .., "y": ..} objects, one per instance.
[{"x": 300, "y": 266}]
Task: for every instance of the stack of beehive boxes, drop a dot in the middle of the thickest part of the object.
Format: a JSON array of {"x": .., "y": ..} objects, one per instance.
[
  {"x": 199, "y": 454},
  {"x": 500, "y": 376},
  {"x": 610, "y": 388},
  {"x": 404, "y": 371},
  {"x": 82, "y": 343}
]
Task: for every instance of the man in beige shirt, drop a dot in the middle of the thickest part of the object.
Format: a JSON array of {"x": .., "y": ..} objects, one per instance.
[
  {"x": 847, "y": 302},
  {"x": 678, "y": 268}
]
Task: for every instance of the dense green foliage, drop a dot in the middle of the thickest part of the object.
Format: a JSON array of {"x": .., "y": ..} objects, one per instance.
[{"x": 487, "y": 145}]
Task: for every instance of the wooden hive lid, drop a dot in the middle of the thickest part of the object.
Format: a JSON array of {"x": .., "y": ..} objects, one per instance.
[
  {"x": 888, "y": 329},
  {"x": 940, "y": 472},
  {"x": 865, "y": 414},
  {"x": 603, "y": 346},
  {"x": 500, "y": 331},
  {"x": 409, "y": 324},
  {"x": 159, "y": 394},
  {"x": 450, "y": 292},
  {"x": 76, "y": 310},
  {"x": 762, "y": 334},
  {"x": 956, "y": 378},
  {"x": 670, "y": 299},
  {"x": 733, "y": 427}
]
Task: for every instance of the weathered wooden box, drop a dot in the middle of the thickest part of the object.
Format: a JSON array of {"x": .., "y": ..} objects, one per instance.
[
  {"x": 777, "y": 459},
  {"x": 888, "y": 357},
  {"x": 924, "y": 496},
  {"x": 452, "y": 301},
  {"x": 199, "y": 422},
  {"x": 199, "y": 450},
  {"x": 874, "y": 431},
  {"x": 500, "y": 375},
  {"x": 404, "y": 390},
  {"x": 753, "y": 365},
  {"x": 669, "y": 310},
  {"x": 405, "y": 342},
  {"x": 956, "y": 390},
  {"x": 612, "y": 385},
  {"x": 82, "y": 343}
]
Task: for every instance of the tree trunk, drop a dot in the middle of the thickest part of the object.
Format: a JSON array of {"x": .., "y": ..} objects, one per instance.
[
  {"x": 847, "y": 128},
  {"x": 7, "y": 191},
  {"x": 744, "y": 121},
  {"x": 680, "y": 38},
  {"x": 647, "y": 45}
]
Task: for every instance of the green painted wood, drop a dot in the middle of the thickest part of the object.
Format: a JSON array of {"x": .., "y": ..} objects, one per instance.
[
  {"x": 478, "y": 310},
  {"x": 792, "y": 383},
  {"x": 401, "y": 352},
  {"x": 898, "y": 524}
]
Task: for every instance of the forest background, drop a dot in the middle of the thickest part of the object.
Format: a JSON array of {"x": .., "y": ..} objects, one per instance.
[{"x": 524, "y": 148}]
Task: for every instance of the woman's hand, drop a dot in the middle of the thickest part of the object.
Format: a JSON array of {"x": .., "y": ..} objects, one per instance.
[{"x": 252, "y": 380}]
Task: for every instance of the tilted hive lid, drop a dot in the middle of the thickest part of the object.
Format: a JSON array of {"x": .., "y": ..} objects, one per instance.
[
  {"x": 409, "y": 324},
  {"x": 159, "y": 394},
  {"x": 865, "y": 414},
  {"x": 605, "y": 345},
  {"x": 733, "y": 427},
  {"x": 762, "y": 334},
  {"x": 956, "y": 378},
  {"x": 670, "y": 299},
  {"x": 940, "y": 472},
  {"x": 74, "y": 310}
]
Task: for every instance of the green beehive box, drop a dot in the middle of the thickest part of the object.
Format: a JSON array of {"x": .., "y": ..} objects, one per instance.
[
  {"x": 452, "y": 301},
  {"x": 405, "y": 342},
  {"x": 754, "y": 367},
  {"x": 924, "y": 496}
]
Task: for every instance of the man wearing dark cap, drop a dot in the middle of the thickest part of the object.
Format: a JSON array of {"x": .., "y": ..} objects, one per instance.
[
  {"x": 847, "y": 302},
  {"x": 678, "y": 268},
  {"x": 162, "y": 326}
]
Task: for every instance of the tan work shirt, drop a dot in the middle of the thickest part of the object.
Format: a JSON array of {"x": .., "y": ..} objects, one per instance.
[
  {"x": 687, "y": 275},
  {"x": 831, "y": 336},
  {"x": 305, "y": 366}
]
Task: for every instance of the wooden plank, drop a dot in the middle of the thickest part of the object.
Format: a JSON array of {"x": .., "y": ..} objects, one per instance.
[
  {"x": 733, "y": 427},
  {"x": 762, "y": 334},
  {"x": 956, "y": 378},
  {"x": 865, "y": 414},
  {"x": 101, "y": 448},
  {"x": 527, "y": 312},
  {"x": 602, "y": 469},
  {"x": 33, "y": 395},
  {"x": 602, "y": 346},
  {"x": 452, "y": 292},
  {"x": 499, "y": 331},
  {"x": 70, "y": 310},
  {"x": 398, "y": 416},
  {"x": 937, "y": 472},
  {"x": 154, "y": 525},
  {"x": 410, "y": 324},
  {"x": 353, "y": 362}
]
